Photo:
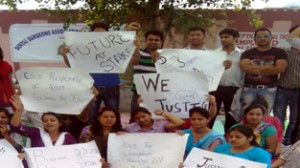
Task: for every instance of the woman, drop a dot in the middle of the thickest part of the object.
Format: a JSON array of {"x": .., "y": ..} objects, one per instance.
[
  {"x": 200, "y": 135},
  {"x": 6, "y": 134},
  {"x": 51, "y": 135},
  {"x": 145, "y": 124},
  {"x": 105, "y": 122},
  {"x": 290, "y": 158},
  {"x": 4, "y": 120},
  {"x": 242, "y": 144},
  {"x": 6, "y": 85},
  {"x": 4, "y": 130},
  {"x": 265, "y": 133}
]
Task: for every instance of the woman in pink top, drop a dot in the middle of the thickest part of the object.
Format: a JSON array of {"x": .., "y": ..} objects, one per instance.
[{"x": 145, "y": 124}]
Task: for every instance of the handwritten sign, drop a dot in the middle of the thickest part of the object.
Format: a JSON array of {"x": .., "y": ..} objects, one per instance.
[
  {"x": 100, "y": 52},
  {"x": 38, "y": 42},
  {"x": 208, "y": 62},
  {"x": 60, "y": 90},
  {"x": 246, "y": 40},
  {"x": 83, "y": 155},
  {"x": 202, "y": 158},
  {"x": 9, "y": 156},
  {"x": 172, "y": 92},
  {"x": 146, "y": 150}
]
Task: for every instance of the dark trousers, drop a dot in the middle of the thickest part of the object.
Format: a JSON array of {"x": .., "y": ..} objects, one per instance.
[
  {"x": 224, "y": 94},
  {"x": 296, "y": 131}
]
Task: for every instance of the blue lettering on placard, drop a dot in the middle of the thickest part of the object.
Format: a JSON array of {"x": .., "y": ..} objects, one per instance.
[
  {"x": 39, "y": 35},
  {"x": 58, "y": 31},
  {"x": 21, "y": 44}
]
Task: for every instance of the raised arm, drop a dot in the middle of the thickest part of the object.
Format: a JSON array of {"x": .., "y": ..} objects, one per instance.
[
  {"x": 84, "y": 115},
  {"x": 63, "y": 51},
  {"x": 135, "y": 26},
  {"x": 16, "y": 101},
  {"x": 174, "y": 121},
  {"x": 135, "y": 59},
  {"x": 212, "y": 106}
]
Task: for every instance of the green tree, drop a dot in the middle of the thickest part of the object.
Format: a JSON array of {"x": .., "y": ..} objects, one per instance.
[{"x": 172, "y": 13}]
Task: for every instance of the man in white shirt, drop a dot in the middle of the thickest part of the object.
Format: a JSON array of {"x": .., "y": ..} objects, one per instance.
[{"x": 232, "y": 77}]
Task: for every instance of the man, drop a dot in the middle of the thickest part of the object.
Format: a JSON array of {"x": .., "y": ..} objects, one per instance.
[
  {"x": 143, "y": 60},
  {"x": 231, "y": 80},
  {"x": 287, "y": 91},
  {"x": 288, "y": 88},
  {"x": 262, "y": 65},
  {"x": 196, "y": 37}
]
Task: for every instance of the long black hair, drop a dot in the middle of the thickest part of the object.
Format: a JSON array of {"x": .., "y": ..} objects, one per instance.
[
  {"x": 247, "y": 131},
  {"x": 97, "y": 128}
]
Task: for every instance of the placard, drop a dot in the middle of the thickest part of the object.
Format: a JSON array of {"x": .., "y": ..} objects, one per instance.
[
  {"x": 60, "y": 90},
  {"x": 172, "y": 92},
  {"x": 146, "y": 150},
  {"x": 183, "y": 60},
  {"x": 9, "y": 156},
  {"x": 100, "y": 52},
  {"x": 83, "y": 155},
  {"x": 39, "y": 42},
  {"x": 202, "y": 158}
]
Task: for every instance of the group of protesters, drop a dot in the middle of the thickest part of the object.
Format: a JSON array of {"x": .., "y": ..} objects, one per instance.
[{"x": 256, "y": 83}]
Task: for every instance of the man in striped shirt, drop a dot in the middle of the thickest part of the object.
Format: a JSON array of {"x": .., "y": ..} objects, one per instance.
[
  {"x": 144, "y": 60},
  {"x": 288, "y": 86}
]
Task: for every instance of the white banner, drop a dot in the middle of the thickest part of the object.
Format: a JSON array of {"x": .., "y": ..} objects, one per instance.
[
  {"x": 9, "y": 156},
  {"x": 246, "y": 40},
  {"x": 60, "y": 90},
  {"x": 38, "y": 42},
  {"x": 74, "y": 156},
  {"x": 146, "y": 150},
  {"x": 202, "y": 158},
  {"x": 172, "y": 92},
  {"x": 208, "y": 62},
  {"x": 100, "y": 52}
]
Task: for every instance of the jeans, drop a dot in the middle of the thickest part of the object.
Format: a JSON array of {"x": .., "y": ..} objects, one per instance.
[
  {"x": 284, "y": 98},
  {"x": 224, "y": 94},
  {"x": 250, "y": 94},
  {"x": 110, "y": 97}
]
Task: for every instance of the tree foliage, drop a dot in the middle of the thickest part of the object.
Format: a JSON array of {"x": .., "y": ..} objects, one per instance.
[{"x": 177, "y": 13}]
